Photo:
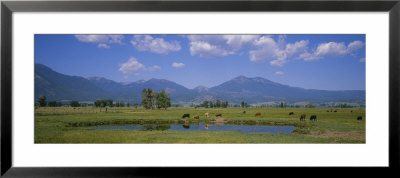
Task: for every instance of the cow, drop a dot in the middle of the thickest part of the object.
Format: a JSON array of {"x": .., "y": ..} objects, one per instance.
[
  {"x": 218, "y": 115},
  {"x": 351, "y": 111},
  {"x": 244, "y": 112},
  {"x": 359, "y": 118},
  {"x": 335, "y": 111},
  {"x": 186, "y": 126},
  {"x": 196, "y": 117},
  {"x": 258, "y": 114},
  {"x": 313, "y": 118},
  {"x": 186, "y": 115},
  {"x": 206, "y": 114},
  {"x": 291, "y": 113},
  {"x": 303, "y": 117}
]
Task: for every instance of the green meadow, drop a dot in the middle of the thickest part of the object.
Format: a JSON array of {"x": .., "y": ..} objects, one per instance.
[{"x": 76, "y": 125}]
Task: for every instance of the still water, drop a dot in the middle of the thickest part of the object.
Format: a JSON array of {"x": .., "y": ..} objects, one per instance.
[{"x": 205, "y": 127}]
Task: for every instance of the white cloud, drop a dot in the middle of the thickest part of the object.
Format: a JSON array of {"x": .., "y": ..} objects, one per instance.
[
  {"x": 101, "y": 40},
  {"x": 132, "y": 66},
  {"x": 279, "y": 73},
  {"x": 153, "y": 68},
  {"x": 204, "y": 49},
  {"x": 331, "y": 49},
  {"x": 177, "y": 65},
  {"x": 155, "y": 45},
  {"x": 209, "y": 46},
  {"x": 266, "y": 48},
  {"x": 103, "y": 45},
  {"x": 297, "y": 47}
]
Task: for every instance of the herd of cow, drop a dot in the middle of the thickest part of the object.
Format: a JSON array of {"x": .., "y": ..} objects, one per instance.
[{"x": 302, "y": 117}]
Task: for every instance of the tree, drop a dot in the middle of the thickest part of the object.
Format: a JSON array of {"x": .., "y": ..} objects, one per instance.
[
  {"x": 42, "y": 101},
  {"x": 225, "y": 104},
  {"x": 109, "y": 103},
  {"x": 205, "y": 104},
  {"x": 52, "y": 103},
  {"x": 218, "y": 104},
  {"x": 244, "y": 104},
  {"x": 74, "y": 104},
  {"x": 146, "y": 98},
  {"x": 163, "y": 100},
  {"x": 211, "y": 104}
]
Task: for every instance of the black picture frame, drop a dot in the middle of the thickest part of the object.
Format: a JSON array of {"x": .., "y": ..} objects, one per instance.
[{"x": 8, "y": 7}]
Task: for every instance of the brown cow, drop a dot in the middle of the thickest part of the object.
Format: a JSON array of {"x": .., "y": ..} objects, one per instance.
[
  {"x": 303, "y": 117},
  {"x": 206, "y": 114},
  {"x": 244, "y": 112},
  {"x": 196, "y": 117},
  {"x": 258, "y": 114},
  {"x": 218, "y": 115}
]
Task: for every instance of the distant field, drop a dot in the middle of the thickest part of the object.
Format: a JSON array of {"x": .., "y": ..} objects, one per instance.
[{"x": 75, "y": 125}]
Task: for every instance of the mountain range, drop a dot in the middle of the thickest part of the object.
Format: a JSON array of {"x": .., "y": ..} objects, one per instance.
[{"x": 57, "y": 86}]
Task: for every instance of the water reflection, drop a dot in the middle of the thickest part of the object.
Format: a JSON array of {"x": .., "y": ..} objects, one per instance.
[{"x": 205, "y": 127}]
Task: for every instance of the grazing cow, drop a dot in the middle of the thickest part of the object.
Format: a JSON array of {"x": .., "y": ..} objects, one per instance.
[
  {"x": 218, "y": 115},
  {"x": 206, "y": 114},
  {"x": 351, "y": 111},
  {"x": 303, "y": 117},
  {"x": 196, "y": 117},
  {"x": 335, "y": 111},
  {"x": 359, "y": 118},
  {"x": 313, "y": 118},
  {"x": 186, "y": 115},
  {"x": 244, "y": 112},
  {"x": 186, "y": 126},
  {"x": 291, "y": 113},
  {"x": 258, "y": 114}
]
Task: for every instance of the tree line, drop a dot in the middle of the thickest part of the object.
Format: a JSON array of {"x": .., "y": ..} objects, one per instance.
[{"x": 151, "y": 99}]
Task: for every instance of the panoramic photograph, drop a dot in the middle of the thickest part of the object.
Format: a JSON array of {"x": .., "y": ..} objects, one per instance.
[{"x": 200, "y": 88}]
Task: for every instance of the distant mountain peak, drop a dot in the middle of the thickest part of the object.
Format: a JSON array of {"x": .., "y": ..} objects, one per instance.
[
  {"x": 242, "y": 78},
  {"x": 96, "y": 78},
  {"x": 200, "y": 88}
]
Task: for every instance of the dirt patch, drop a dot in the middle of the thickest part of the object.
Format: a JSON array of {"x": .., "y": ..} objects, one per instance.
[
  {"x": 219, "y": 121},
  {"x": 339, "y": 135}
]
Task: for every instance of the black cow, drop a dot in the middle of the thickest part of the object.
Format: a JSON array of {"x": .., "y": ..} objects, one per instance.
[
  {"x": 313, "y": 118},
  {"x": 303, "y": 117},
  {"x": 291, "y": 113},
  {"x": 359, "y": 118},
  {"x": 186, "y": 115},
  {"x": 186, "y": 126}
]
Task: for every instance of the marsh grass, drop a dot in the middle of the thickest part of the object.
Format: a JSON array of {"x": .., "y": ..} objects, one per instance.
[{"x": 69, "y": 125}]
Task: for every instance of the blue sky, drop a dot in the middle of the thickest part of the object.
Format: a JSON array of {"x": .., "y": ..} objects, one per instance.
[{"x": 329, "y": 62}]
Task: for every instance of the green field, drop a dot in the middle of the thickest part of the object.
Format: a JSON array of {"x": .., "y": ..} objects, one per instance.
[{"x": 75, "y": 125}]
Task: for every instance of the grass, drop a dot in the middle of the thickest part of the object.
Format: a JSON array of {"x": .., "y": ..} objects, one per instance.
[{"x": 69, "y": 125}]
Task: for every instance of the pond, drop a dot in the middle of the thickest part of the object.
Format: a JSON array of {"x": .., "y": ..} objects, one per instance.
[{"x": 204, "y": 127}]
